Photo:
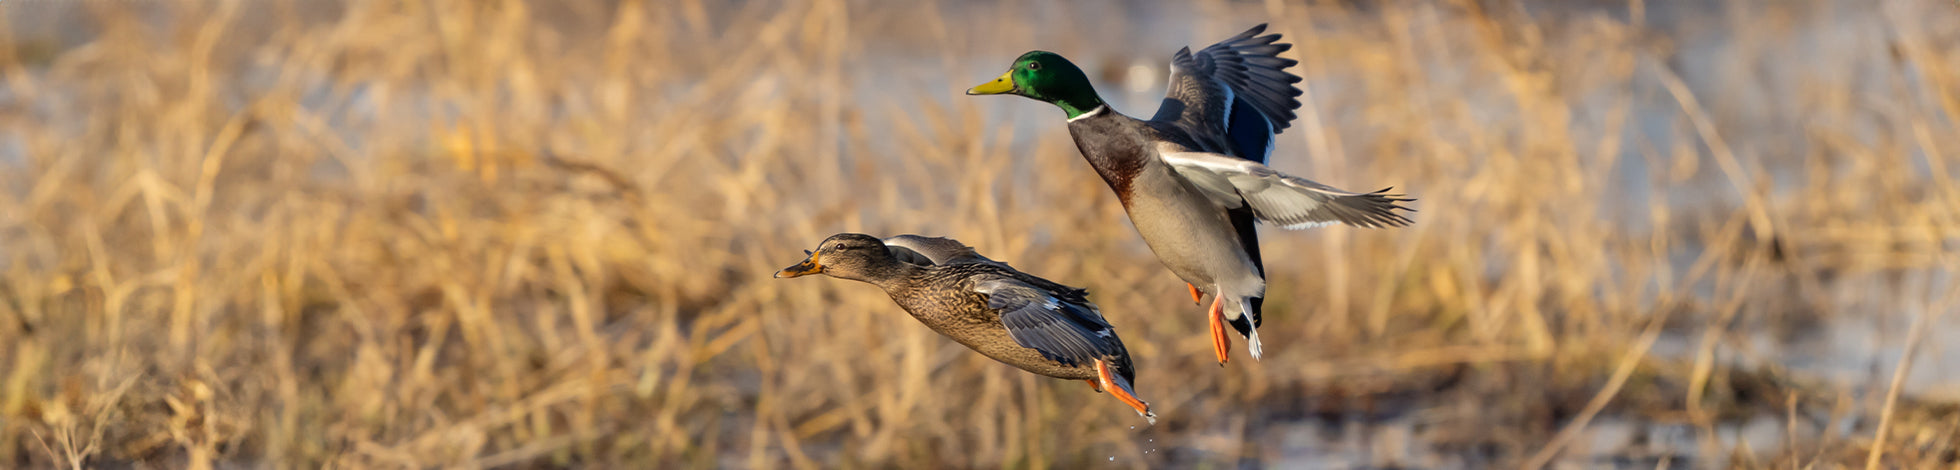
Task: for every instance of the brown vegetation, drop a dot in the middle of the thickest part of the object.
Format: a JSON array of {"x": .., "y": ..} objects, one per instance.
[{"x": 463, "y": 233}]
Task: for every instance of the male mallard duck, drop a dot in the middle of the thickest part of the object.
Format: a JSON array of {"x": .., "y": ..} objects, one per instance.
[
  {"x": 1193, "y": 178},
  {"x": 1011, "y": 316}
]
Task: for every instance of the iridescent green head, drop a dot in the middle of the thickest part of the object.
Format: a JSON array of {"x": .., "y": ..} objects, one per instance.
[{"x": 1045, "y": 76}]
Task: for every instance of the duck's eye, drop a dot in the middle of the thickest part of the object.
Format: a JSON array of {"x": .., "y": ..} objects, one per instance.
[{"x": 1034, "y": 66}]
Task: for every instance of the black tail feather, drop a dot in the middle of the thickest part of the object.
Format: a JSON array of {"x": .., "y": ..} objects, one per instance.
[
  {"x": 1245, "y": 323},
  {"x": 1243, "y": 221}
]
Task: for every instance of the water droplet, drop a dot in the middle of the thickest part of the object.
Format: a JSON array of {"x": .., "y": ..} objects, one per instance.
[{"x": 1112, "y": 458}]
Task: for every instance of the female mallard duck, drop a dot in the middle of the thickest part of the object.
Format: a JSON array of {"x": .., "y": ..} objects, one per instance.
[
  {"x": 1022, "y": 320},
  {"x": 1193, "y": 178}
]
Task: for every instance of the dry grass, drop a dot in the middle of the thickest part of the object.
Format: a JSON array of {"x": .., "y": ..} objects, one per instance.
[{"x": 457, "y": 233}]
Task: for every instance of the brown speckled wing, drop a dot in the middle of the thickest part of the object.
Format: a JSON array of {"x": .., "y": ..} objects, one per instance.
[{"x": 1065, "y": 330}]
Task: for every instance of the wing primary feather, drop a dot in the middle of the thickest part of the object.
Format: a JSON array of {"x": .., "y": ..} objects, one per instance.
[
  {"x": 1057, "y": 322},
  {"x": 1285, "y": 200}
]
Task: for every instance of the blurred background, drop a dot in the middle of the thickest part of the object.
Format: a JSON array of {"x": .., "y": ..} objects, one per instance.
[{"x": 448, "y": 233}]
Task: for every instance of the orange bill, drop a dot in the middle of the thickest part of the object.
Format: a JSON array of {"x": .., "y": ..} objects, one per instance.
[{"x": 807, "y": 267}]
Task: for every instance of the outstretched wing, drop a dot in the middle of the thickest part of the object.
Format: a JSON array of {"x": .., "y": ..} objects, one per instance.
[
  {"x": 930, "y": 251},
  {"x": 1237, "y": 88},
  {"x": 1289, "y": 201},
  {"x": 1064, "y": 328}
]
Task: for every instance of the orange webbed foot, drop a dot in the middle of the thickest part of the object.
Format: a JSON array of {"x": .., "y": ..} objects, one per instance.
[
  {"x": 1221, "y": 345},
  {"x": 1123, "y": 393},
  {"x": 1196, "y": 297}
]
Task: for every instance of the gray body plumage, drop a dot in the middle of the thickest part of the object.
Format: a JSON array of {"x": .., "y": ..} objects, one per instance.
[
  {"x": 1193, "y": 178},
  {"x": 1191, "y": 235}
]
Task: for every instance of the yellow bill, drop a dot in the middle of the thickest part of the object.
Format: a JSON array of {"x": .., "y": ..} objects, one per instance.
[{"x": 1004, "y": 84}]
